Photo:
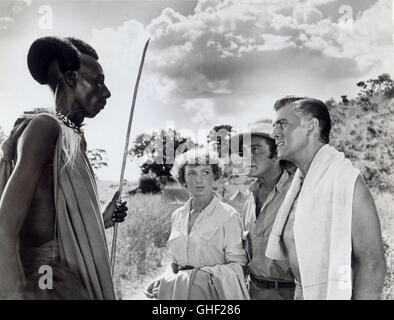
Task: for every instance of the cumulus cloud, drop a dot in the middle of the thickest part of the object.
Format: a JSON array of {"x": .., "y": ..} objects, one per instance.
[
  {"x": 228, "y": 39},
  {"x": 19, "y": 5},
  {"x": 307, "y": 14},
  {"x": 203, "y": 111},
  {"x": 229, "y": 56},
  {"x": 5, "y": 22}
]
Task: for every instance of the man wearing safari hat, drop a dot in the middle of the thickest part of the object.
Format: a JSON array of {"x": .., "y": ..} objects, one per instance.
[
  {"x": 269, "y": 279},
  {"x": 52, "y": 239}
]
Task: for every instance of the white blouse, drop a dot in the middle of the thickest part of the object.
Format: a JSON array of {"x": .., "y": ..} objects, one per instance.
[{"x": 215, "y": 238}]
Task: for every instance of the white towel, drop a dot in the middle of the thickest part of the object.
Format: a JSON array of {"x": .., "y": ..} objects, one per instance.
[{"x": 322, "y": 226}]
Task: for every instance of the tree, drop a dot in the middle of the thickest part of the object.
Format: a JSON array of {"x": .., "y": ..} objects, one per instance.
[
  {"x": 97, "y": 158},
  {"x": 371, "y": 87},
  {"x": 345, "y": 100},
  {"x": 219, "y": 136},
  {"x": 158, "y": 150}
]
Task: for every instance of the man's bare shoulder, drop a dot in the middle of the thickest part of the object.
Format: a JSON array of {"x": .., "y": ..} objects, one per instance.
[
  {"x": 362, "y": 195},
  {"x": 366, "y": 232},
  {"x": 45, "y": 124},
  {"x": 42, "y": 127},
  {"x": 39, "y": 137}
]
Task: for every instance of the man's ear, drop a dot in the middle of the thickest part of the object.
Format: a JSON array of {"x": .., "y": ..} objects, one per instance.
[
  {"x": 71, "y": 78},
  {"x": 312, "y": 126}
]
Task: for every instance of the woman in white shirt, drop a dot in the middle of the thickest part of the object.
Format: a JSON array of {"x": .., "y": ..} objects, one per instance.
[{"x": 205, "y": 240}]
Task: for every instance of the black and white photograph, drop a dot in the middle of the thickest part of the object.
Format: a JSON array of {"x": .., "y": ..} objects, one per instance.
[{"x": 210, "y": 150}]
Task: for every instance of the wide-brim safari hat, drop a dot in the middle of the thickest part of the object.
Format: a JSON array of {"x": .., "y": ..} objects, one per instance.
[{"x": 261, "y": 128}]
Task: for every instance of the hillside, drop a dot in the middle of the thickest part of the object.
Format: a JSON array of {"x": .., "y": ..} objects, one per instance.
[{"x": 363, "y": 129}]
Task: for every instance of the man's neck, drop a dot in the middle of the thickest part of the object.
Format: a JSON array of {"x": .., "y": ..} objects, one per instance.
[
  {"x": 66, "y": 107},
  {"x": 76, "y": 118},
  {"x": 271, "y": 177},
  {"x": 307, "y": 155}
]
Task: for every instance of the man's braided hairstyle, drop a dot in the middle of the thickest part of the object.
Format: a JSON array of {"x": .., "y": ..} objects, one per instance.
[{"x": 66, "y": 51}]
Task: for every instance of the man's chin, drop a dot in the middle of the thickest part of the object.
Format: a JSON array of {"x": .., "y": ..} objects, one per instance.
[
  {"x": 252, "y": 173},
  {"x": 92, "y": 114},
  {"x": 283, "y": 157}
]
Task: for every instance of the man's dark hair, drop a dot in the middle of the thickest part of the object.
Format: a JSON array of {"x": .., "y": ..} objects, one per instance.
[
  {"x": 309, "y": 108},
  {"x": 271, "y": 147},
  {"x": 83, "y": 47},
  {"x": 66, "y": 51},
  {"x": 284, "y": 164},
  {"x": 282, "y": 102}
]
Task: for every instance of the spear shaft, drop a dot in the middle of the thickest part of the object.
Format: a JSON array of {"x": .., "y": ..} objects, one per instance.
[{"x": 125, "y": 153}]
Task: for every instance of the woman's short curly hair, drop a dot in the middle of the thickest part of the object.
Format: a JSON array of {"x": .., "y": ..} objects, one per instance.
[{"x": 196, "y": 156}]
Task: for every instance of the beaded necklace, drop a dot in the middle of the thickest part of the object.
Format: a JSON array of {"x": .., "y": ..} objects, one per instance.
[{"x": 69, "y": 123}]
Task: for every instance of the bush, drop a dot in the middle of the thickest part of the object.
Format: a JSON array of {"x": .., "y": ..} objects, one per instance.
[
  {"x": 364, "y": 134},
  {"x": 149, "y": 183},
  {"x": 389, "y": 94}
]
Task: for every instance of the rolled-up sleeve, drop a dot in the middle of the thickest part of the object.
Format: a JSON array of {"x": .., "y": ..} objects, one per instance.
[{"x": 233, "y": 247}]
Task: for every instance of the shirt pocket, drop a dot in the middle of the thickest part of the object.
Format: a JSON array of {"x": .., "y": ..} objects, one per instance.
[{"x": 209, "y": 236}]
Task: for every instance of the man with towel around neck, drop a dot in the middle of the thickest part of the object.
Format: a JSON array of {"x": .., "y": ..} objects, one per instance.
[
  {"x": 327, "y": 226},
  {"x": 50, "y": 220}
]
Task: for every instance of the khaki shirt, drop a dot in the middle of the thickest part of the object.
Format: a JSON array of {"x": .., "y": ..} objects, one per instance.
[
  {"x": 257, "y": 231},
  {"x": 215, "y": 238}
]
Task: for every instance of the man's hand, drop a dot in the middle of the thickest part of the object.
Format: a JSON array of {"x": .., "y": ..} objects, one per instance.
[
  {"x": 152, "y": 291},
  {"x": 114, "y": 211}
]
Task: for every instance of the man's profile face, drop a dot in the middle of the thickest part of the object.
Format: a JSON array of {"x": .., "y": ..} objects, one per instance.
[
  {"x": 289, "y": 133},
  {"x": 259, "y": 153},
  {"x": 90, "y": 93}
]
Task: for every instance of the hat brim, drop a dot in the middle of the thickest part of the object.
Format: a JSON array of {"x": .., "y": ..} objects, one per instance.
[{"x": 252, "y": 133}]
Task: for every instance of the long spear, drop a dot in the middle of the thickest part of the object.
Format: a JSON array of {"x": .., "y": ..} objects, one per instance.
[{"x": 115, "y": 235}]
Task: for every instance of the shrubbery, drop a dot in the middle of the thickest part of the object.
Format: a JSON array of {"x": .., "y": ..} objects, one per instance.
[
  {"x": 363, "y": 129},
  {"x": 149, "y": 183}
]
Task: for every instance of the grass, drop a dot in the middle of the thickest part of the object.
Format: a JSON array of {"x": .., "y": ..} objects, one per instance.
[{"x": 142, "y": 238}]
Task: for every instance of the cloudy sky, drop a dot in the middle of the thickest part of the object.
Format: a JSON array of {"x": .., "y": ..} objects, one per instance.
[{"x": 209, "y": 62}]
